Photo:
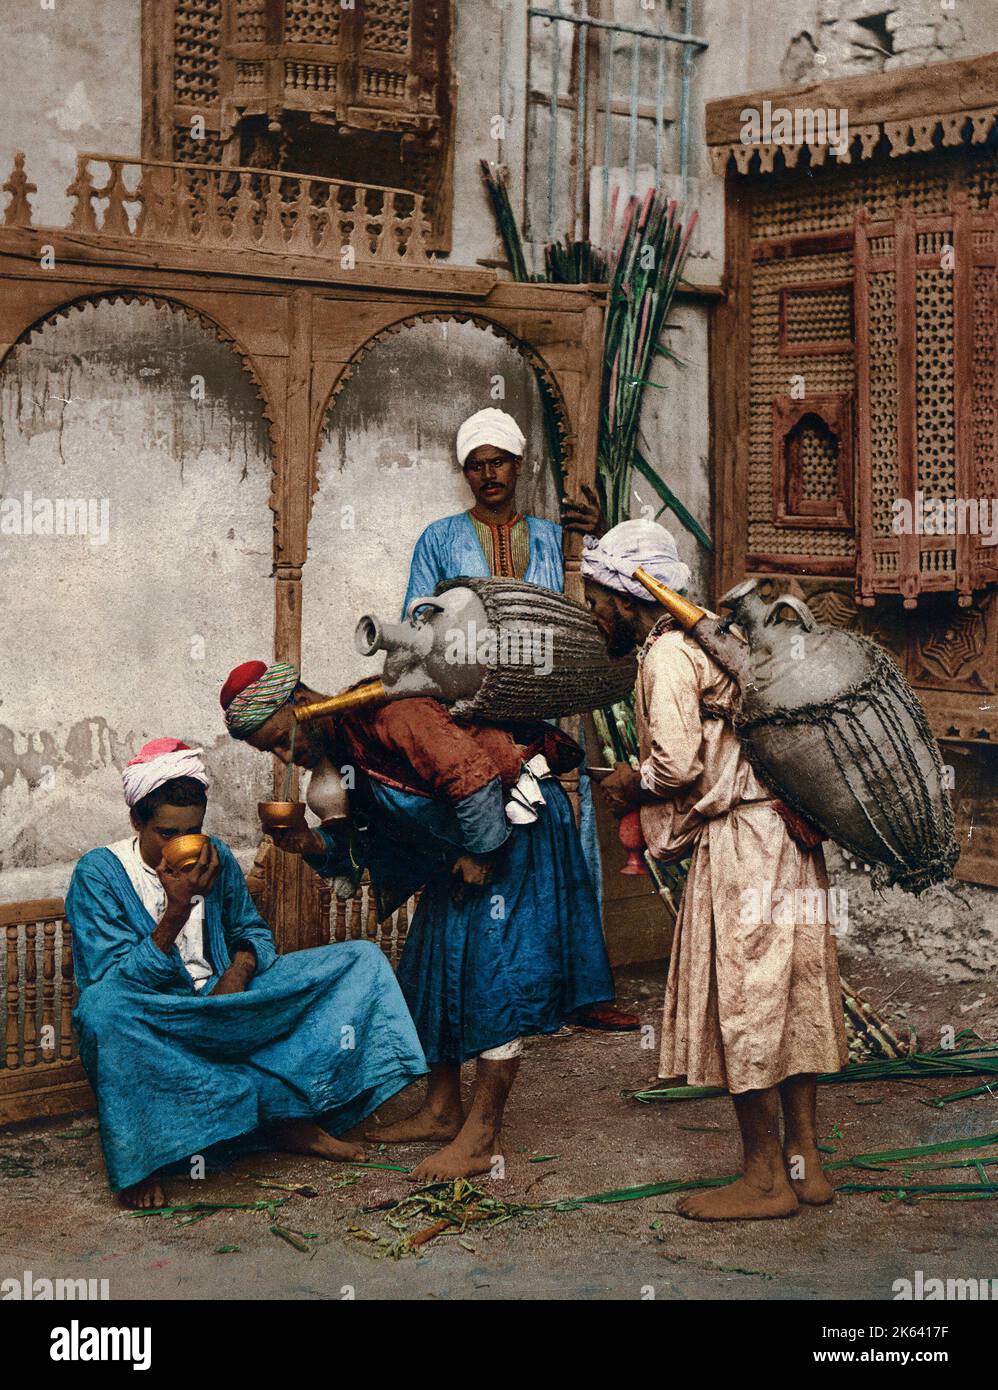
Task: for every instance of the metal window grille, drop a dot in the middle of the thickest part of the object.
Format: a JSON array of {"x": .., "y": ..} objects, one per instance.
[{"x": 621, "y": 78}]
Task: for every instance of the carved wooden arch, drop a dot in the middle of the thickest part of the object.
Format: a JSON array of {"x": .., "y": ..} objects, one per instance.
[
  {"x": 546, "y": 376},
  {"x": 174, "y": 301}
]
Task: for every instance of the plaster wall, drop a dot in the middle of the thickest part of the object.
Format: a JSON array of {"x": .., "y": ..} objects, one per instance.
[
  {"x": 387, "y": 468},
  {"x": 72, "y": 81},
  {"x": 123, "y": 630}
]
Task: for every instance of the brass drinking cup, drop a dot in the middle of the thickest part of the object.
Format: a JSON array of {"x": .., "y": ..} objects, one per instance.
[
  {"x": 282, "y": 815},
  {"x": 183, "y": 850}
]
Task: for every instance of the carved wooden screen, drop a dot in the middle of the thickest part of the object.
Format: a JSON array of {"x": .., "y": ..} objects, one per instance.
[
  {"x": 195, "y": 89},
  {"x": 926, "y": 326},
  {"x": 380, "y": 65},
  {"x": 801, "y": 407},
  {"x": 363, "y": 93},
  {"x": 832, "y": 357}
]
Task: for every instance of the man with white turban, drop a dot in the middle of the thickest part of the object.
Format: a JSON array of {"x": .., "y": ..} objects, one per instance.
[
  {"x": 193, "y": 1031},
  {"x": 494, "y": 538},
  {"x": 752, "y": 1001}
]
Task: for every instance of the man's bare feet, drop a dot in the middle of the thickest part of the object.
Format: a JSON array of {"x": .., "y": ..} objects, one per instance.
[
  {"x": 806, "y": 1176},
  {"x": 473, "y": 1151},
  {"x": 305, "y": 1137},
  {"x": 423, "y": 1124},
  {"x": 741, "y": 1201},
  {"x": 144, "y": 1195}
]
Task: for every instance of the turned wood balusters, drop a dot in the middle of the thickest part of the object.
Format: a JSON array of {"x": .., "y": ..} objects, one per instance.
[
  {"x": 237, "y": 209},
  {"x": 28, "y": 1039},
  {"x": 356, "y": 919}
]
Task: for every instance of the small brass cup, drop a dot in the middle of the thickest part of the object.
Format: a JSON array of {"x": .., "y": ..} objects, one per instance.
[
  {"x": 182, "y": 851},
  {"x": 282, "y": 815}
]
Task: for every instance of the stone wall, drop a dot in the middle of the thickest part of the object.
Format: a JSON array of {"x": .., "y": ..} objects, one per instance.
[{"x": 852, "y": 38}]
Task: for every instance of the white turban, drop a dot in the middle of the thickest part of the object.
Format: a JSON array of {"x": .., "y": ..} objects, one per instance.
[
  {"x": 493, "y": 427},
  {"x": 612, "y": 559},
  {"x": 161, "y": 761}
]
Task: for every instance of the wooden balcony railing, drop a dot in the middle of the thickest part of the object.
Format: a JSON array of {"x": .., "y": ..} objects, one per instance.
[
  {"x": 207, "y": 206},
  {"x": 39, "y": 951}
]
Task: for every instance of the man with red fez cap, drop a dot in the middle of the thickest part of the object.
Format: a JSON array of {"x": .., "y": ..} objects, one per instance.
[
  {"x": 506, "y": 940},
  {"x": 192, "y": 1029}
]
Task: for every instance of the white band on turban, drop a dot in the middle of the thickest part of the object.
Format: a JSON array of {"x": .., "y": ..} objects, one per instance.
[
  {"x": 613, "y": 558},
  {"x": 493, "y": 427},
  {"x": 138, "y": 779}
]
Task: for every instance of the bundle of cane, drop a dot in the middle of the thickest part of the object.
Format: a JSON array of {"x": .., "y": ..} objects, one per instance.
[{"x": 867, "y": 1032}]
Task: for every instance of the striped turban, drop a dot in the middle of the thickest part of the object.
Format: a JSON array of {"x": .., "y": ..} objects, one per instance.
[
  {"x": 253, "y": 692},
  {"x": 162, "y": 760}
]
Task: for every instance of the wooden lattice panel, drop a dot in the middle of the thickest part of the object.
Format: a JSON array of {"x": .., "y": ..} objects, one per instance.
[
  {"x": 816, "y": 319},
  {"x": 386, "y": 25},
  {"x": 927, "y": 342},
  {"x": 364, "y": 94},
  {"x": 936, "y": 436},
  {"x": 812, "y": 463},
  {"x": 311, "y": 21},
  {"x": 819, "y": 462},
  {"x": 924, "y": 294},
  {"x": 251, "y": 20},
  {"x": 882, "y": 340},
  {"x": 774, "y": 365},
  {"x": 832, "y": 196},
  {"x": 921, "y": 179},
  {"x": 190, "y": 151},
  {"x": 196, "y": 38},
  {"x": 985, "y": 405}
]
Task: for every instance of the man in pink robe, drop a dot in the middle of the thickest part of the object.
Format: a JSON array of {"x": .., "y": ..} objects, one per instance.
[{"x": 753, "y": 1000}]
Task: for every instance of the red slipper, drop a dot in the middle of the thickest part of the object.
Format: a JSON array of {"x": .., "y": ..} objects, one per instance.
[{"x": 606, "y": 1018}]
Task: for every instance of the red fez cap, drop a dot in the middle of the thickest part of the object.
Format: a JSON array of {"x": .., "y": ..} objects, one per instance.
[{"x": 239, "y": 678}]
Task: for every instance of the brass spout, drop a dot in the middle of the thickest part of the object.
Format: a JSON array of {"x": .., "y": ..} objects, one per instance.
[
  {"x": 686, "y": 614},
  {"x": 371, "y": 693}
]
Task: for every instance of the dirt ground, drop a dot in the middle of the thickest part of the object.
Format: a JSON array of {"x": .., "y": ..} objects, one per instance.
[{"x": 568, "y": 1114}]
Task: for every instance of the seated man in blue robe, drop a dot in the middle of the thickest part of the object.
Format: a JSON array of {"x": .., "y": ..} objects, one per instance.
[
  {"x": 506, "y": 940},
  {"x": 192, "y": 1029}
]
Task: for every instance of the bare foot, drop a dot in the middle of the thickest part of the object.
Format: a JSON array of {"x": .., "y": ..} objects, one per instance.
[
  {"x": 305, "y": 1137},
  {"x": 423, "y": 1124},
  {"x": 741, "y": 1201},
  {"x": 144, "y": 1195},
  {"x": 473, "y": 1151},
  {"x": 805, "y": 1173}
]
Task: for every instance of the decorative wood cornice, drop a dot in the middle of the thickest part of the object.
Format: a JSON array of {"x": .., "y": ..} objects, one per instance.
[{"x": 908, "y": 111}]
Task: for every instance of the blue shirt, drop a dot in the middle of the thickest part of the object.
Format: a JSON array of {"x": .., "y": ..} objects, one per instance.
[{"x": 449, "y": 548}]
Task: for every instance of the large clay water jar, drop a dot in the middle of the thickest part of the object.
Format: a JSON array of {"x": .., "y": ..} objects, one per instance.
[
  {"x": 492, "y": 649},
  {"x": 834, "y": 729}
]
